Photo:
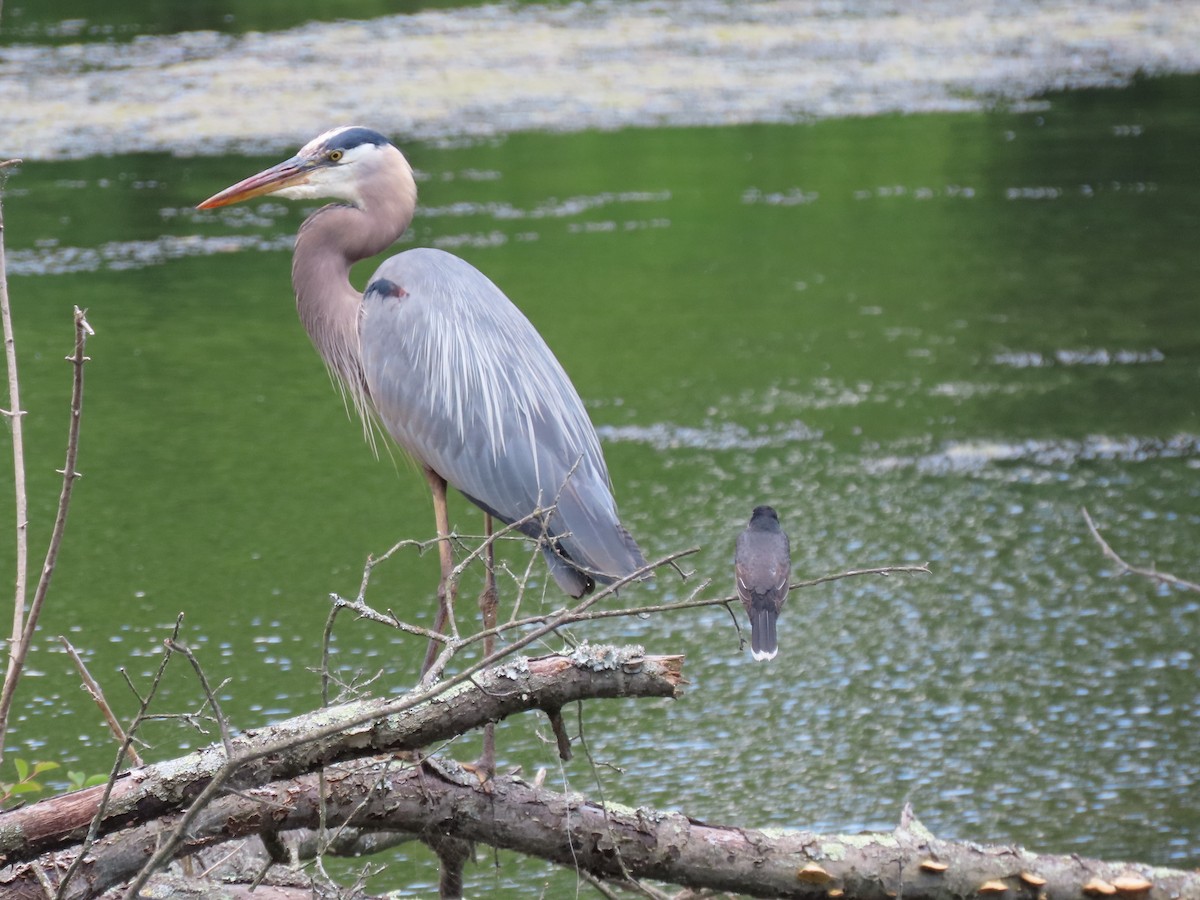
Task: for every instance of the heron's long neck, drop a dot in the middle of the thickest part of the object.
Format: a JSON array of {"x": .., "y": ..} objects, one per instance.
[{"x": 330, "y": 241}]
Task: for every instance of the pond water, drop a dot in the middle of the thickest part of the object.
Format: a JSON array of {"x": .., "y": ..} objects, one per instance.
[{"x": 922, "y": 338}]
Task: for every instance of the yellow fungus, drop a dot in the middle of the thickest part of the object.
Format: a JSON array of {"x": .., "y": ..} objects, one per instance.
[
  {"x": 1132, "y": 883},
  {"x": 813, "y": 874}
]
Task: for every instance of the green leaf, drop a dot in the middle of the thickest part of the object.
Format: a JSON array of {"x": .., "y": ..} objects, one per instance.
[
  {"x": 22, "y": 768},
  {"x": 25, "y": 787},
  {"x": 47, "y": 766},
  {"x": 95, "y": 780}
]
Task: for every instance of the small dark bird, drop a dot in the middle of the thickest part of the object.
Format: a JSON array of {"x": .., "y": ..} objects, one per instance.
[{"x": 763, "y": 566}]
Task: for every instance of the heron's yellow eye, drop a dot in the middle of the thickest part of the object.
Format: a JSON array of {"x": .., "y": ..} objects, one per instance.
[{"x": 335, "y": 155}]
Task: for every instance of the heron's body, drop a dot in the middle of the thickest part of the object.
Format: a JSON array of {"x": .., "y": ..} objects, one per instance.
[
  {"x": 762, "y": 568},
  {"x": 452, "y": 369},
  {"x": 421, "y": 347}
]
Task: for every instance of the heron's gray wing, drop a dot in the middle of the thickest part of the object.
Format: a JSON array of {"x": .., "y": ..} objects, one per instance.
[{"x": 467, "y": 386}]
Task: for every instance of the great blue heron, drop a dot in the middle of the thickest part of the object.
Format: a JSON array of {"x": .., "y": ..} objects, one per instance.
[
  {"x": 454, "y": 371},
  {"x": 762, "y": 564}
]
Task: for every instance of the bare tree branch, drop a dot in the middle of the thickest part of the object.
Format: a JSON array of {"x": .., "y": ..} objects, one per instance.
[
  {"x": 97, "y": 694},
  {"x": 584, "y": 612},
  {"x": 15, "y": 415},
  {"x": 23, "y": 636},
  {"x": 307, "y": 742},
  {"x": 210, "y": 697},
  {"x": 100, "y": 797},
  {"x": 626, "y": 847},
  {"x": 1152, "y": 574}
]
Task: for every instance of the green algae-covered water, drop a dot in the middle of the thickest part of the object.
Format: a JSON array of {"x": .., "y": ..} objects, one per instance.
[{"x": 922, "y": 338}]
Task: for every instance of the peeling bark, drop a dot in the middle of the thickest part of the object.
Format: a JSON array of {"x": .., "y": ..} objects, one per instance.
[
  {"x": 440, "y": 800},
  {"x": 444, "y": 805},
  {"x": 307, "y": 742}
]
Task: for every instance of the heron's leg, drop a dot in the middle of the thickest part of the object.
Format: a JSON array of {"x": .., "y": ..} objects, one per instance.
[
  {"x": 446, "y": 591},
  {"x": 489, "y": 603}
]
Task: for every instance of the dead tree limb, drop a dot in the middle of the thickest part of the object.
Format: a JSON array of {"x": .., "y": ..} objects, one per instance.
[
  {"x": 306, "y": 743},
  {"x": 437, "y": 800}
]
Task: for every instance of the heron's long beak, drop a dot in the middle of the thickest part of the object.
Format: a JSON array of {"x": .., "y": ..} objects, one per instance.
[{"x": 288, "y": 173}]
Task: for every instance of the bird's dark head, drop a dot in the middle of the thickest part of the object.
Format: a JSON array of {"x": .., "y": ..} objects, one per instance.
[
  {"x": 342, "y": 164},
  {"x": 764, "y": 517}
]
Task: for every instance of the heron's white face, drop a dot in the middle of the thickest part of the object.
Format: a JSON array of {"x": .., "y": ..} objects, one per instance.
[
  {"x": 327, "y": 169},
  {"x": 339, "y": 174}
]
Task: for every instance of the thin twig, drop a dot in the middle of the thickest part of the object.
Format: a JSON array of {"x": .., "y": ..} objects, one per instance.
[
  {"x": 44, "y": 880},
  {"x": 883, "y": 571},
  {"x": 15, "y": 415},
  {"x": 223, "y": 726},
  {"x": 456, "y": 574},
  {"x": 327, "y": 643},
  {"x": 1152, "y": 574},
  {"x": 238, "y": 847},
  {"x": 597, "y": 885},
  {"x": 583, "y": 613},
  {"x": 571, "y": 617},
  {"x": 587, "y": 753},
  {"x": 361, "y": 609},
  {"x": 736, "y": 627},
  {"x": 102, "y": 806},
  {"x": 489, "y": 540},
  {"x": 272, "y": 844},
  {"x": 22, "y": 641},
  {"x": 129, "y": 684},
  {"x": 640, "y": 887},
  {"x": 522, "y": 583},
  {"x": 97, "y": 693},
  {"x": 551, "y": 621}
]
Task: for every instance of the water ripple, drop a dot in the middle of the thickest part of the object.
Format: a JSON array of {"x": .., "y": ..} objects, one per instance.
[
  {"x": 124, "y": 255},
  {"x": 711, "y": 436},
  {"x": 967, "y": 456},
  {"x": 552, "y": 208},
  {"x": 1094, "y": 357}
]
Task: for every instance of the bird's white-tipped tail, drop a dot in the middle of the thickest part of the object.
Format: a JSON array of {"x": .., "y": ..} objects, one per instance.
[{"x": 762, "y": 632}]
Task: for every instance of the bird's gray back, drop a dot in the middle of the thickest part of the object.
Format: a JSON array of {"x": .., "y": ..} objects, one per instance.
[
  {"x": 763, "y": 561},
  {"x": 466, "y": 385}
]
